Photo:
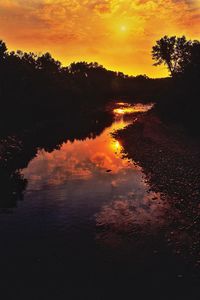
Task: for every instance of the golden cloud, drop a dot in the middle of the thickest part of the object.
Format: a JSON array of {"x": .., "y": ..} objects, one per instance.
[{"x": 117, "y": 33}]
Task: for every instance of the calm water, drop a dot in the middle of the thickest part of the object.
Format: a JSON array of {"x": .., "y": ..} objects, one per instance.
[{"x": 88, "y": 227}]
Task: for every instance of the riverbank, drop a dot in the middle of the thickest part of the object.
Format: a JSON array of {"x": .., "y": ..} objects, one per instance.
[{"x": 171, "y": 163}]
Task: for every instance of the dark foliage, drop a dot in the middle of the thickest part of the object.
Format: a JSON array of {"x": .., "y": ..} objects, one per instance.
[
  {"x": 36, "y": 88},
  {"x": 180, "y": 102}
]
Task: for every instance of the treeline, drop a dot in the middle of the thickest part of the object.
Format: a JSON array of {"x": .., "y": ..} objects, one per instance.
[
  {"x": 180, "y": 102},
  {"x": 37, "y": 87}
]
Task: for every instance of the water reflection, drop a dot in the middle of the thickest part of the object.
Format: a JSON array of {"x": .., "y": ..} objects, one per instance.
[
  {"x": 124, "y": 213},
  {"x": 83, "y": 200},
  {"x": 132, "y": 215},
  {"x": 89, "y": 219},
  {"x": 126, "y": 108},
  {"x": 94, "y": 169},
  {"x": 89, "y": 167},
  {"x": 17, "y": 149},
  {"x": 79, "y": 160}
]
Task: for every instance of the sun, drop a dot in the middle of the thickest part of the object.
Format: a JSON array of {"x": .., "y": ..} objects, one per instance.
[{"x": 123, "y": 28}]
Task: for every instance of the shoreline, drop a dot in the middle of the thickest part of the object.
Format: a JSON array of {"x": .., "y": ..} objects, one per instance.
[{"x": 170, "y": 161}]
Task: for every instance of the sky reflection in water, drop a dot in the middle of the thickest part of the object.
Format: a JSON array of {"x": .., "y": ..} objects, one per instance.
[{"x": 92, "y": 176}]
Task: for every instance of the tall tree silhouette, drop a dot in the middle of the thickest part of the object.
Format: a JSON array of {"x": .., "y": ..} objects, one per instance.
[{"x": 172, "y": 52}]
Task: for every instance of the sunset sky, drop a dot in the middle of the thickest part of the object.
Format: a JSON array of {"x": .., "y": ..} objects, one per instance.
[{"x": 116, "y": 33}]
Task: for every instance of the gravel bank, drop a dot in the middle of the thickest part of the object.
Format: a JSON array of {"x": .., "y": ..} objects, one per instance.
[{"x": 171, "y": 164}]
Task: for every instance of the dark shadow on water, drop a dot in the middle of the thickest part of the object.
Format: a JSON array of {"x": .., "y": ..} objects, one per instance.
[{"x": 19, "y": 147}]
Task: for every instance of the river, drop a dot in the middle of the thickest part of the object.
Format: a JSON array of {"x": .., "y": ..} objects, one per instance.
[{"x": 88, "y": 227}]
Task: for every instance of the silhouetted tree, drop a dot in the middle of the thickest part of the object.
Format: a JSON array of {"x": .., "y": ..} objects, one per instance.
[
  {"x": 190, "y": 65},
  {"x": 48, "y": 64},
  {"x": 3, "y": 50},
  {"x": 180, "y": 102},
  {"x": 172, "y": 52}
]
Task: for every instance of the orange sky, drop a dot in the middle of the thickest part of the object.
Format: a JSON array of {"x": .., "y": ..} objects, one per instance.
[{"x": 116, "y": 33}]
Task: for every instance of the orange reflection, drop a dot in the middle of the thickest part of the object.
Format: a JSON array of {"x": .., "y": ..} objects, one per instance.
[
  {"x": 122, "y": 111},
  {"x": 121, "y": 103},
  {"x": 129, "y": 109},
  {"x": 117, "y": 148},
  {"x": 82, "y": 160}
]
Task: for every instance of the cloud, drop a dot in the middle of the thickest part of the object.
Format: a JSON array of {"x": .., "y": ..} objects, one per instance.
[{"x": 90, "y": 29}]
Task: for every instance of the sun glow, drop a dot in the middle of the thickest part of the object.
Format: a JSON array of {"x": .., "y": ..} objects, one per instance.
[
  {"x": 117, "y": 34},
  {"x": 123, "y": 28}
]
